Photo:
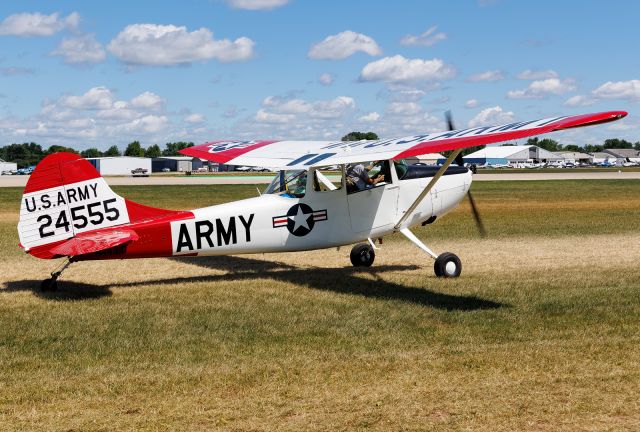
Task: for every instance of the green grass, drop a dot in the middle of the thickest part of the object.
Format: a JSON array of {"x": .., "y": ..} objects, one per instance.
[{"x": 539, "y": 333}]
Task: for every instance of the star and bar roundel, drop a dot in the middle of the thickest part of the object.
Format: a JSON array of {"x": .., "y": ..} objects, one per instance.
[{"x": 300, "y": 219}]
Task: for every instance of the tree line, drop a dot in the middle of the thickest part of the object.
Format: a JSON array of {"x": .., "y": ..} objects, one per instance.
[{"x": 28, "y": 154}]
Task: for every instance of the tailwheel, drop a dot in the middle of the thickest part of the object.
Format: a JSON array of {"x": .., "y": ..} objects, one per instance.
[
  {"x": 447, "y": 265},
  {"x": 362, "y": 255}
]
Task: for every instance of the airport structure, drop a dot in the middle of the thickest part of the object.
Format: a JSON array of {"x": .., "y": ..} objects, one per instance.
[
  {"x": 176, "y": 163},
  {"x": 120, "y": 165},
  {"x": 7, "y": 166},
  {"x": 624, "y": 155},
  {"x": 510, "y": 155},
  {"x": 576, "y": 157}
]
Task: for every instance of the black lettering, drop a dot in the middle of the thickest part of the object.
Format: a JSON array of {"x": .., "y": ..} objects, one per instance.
[
  {"x": 71, "y": 195},
  {"x": 61, "y": 199},
  {"x": 85, "y": 195},
  {"x": 94, "y": 187},
  {"x": 228, "y": 235},
  {"x": 44, "y": 199},
  {"x": 184, "y": 241},
  {"x": 33, "y": 202},
  {"x": 200, "y": 234},
  {"x": 247, "y": 226}
]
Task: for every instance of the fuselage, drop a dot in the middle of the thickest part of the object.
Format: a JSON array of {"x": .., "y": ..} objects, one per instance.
[{"x": 319, "y": 219}]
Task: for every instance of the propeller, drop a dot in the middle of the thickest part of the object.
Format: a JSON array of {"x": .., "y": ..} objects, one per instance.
[{"x": 459, "y": 161}]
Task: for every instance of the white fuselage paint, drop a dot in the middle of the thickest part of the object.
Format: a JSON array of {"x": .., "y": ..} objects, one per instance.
[{"x": 269, "y": 223}]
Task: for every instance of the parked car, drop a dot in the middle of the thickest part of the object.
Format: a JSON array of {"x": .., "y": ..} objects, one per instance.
[{"x": 140, "y": 172}]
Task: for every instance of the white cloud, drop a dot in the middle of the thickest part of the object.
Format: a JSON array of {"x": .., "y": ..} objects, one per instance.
[
  {"x": 96, "y": 98},
  {"x": 471, "y": 103},
  {"x": 282, "y": 110},
  {"x": 629, "y": 90},
  {"x": 148, "y": 100},
  {"x": 543, "y": 88},
  {"x": 16, "y": 71},
  {"x": 488, "y": 76},
  {"x": 80, "y": 50},
  {"x": 398, "y": 69},
  {"x": 580, "y": 100},
  {"x": 146, "y": 124},
  {"x": 326, "y": 79},
  {"x": 168, "y": 45},
  {"x": 195, "y": 118},
  {"x": 537, "y": 74},
  {"x": 491, "y": 116},
  {"x": 371, "y": 117},
  {"x": 428, "y": 38},
  {"x": 257, "y": 4},
  {"x": 37, "y": 24},
  {"x": 343, "y": 45},
  {"x": 403, "y": 108}
]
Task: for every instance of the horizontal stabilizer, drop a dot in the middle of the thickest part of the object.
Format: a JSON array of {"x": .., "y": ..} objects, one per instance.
[{"x": 94, "y": 242}]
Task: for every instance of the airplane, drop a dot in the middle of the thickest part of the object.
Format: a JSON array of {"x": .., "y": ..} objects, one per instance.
[{"x": 69, "y": 211}]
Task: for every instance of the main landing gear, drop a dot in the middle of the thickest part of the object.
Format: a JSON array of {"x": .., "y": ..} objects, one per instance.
[
  {"x": 51, "y": 284},
  {"x": 446, "y": 265}
]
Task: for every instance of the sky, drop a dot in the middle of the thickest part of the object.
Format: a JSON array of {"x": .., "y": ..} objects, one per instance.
[{"x": 94, "y": 74}]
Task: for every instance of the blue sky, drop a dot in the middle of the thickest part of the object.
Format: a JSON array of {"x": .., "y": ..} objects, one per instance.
[{"x": 94, "y": 74}]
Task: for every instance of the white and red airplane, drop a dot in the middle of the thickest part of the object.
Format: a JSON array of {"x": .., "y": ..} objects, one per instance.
[{"x": 69, "y": 211}]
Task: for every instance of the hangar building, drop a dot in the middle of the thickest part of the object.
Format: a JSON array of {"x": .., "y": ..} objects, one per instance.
[
  {"x": 120, "y": 165},
  {"x": 576, "y": 157},
  {"x": 7, "y": 166},
  {"x": 176, "y": 163},
  {"x": 510, "y": 154}
]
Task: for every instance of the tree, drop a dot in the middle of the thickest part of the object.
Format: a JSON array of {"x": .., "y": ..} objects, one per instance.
[
  {"x": 546, "y": 143},
  {"x": 357, "y": 136},
  {"x": 637, "y": 145},
  {"x": 616, "y": 143},
  {"x": 113, "y": 151},
  {"x": 153, "y": 151},
  {"x": 60, "y": 149},
  {"x": 134, "y": 149},
  {"x": 593, "y": 148},
  {"x": 25, "y": 154},
  {"x": 91, "y": 153},
  {"x": 573, "y": 148},
  {"x": 172, "y": 149}
]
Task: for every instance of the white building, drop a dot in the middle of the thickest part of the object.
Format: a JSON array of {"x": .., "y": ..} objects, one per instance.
[
  {"x": 576, "y": 157},
  {"x": 7, "y": 166},
  {"x": 429, "y": 159},
  {"x": 120, "y": 165},
  {"x": 503, "y": 155}
]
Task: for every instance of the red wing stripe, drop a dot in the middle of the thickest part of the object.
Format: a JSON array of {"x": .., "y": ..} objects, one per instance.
[
  {"x": 224, "y": 156},
  {"x": 445, "y": 144}
]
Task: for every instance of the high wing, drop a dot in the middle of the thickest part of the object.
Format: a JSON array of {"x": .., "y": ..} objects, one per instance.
[{"x": 306, "y": 154}]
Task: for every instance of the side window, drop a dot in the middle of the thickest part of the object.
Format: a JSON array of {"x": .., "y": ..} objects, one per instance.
[
  {"x": 366, "y": 175},
  {"x": 327, "y": 179}
]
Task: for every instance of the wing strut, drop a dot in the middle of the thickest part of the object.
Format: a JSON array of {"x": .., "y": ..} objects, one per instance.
[{"x": 428, "y": 188}]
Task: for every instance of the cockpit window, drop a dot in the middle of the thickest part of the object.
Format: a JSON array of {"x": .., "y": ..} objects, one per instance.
[
  {"x": 292, "y": 184},
  {"x": 327, "y": 179}
]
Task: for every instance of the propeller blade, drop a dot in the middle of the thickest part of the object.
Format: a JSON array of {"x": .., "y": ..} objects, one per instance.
[
  {"x": 476, "y": 216},
  {"x": 449, "y": 119}
]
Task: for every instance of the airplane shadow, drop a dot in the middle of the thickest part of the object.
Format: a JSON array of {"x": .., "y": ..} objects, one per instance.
[{"x": 343, "y": 280}]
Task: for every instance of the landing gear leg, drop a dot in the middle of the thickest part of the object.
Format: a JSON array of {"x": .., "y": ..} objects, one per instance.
[
  {"x": 51, "y": 284},
  {"x": 446, "y": 264}
]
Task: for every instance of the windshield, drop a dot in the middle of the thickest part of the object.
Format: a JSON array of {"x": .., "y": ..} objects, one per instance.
[{"x": 289, "y": 184}]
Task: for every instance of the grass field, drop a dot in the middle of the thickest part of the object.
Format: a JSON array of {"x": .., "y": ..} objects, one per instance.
[{"x": 540, "y": 333}]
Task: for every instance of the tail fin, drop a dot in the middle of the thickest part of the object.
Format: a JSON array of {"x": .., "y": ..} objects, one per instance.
[{"x": 66, "y": 196}]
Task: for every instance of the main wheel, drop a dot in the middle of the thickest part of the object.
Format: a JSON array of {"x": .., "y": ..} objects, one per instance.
[
  {"x": 48, "y": 285},
  {"x": 447, "y": 265},
  {"x": 362, "y": 255}
]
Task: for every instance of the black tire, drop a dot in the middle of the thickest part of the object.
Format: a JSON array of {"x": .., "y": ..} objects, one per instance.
[
  {"x": 362, "y": 255},
  {"x": 49, "y": 285},
  {"x": 447, "y": 265}
]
